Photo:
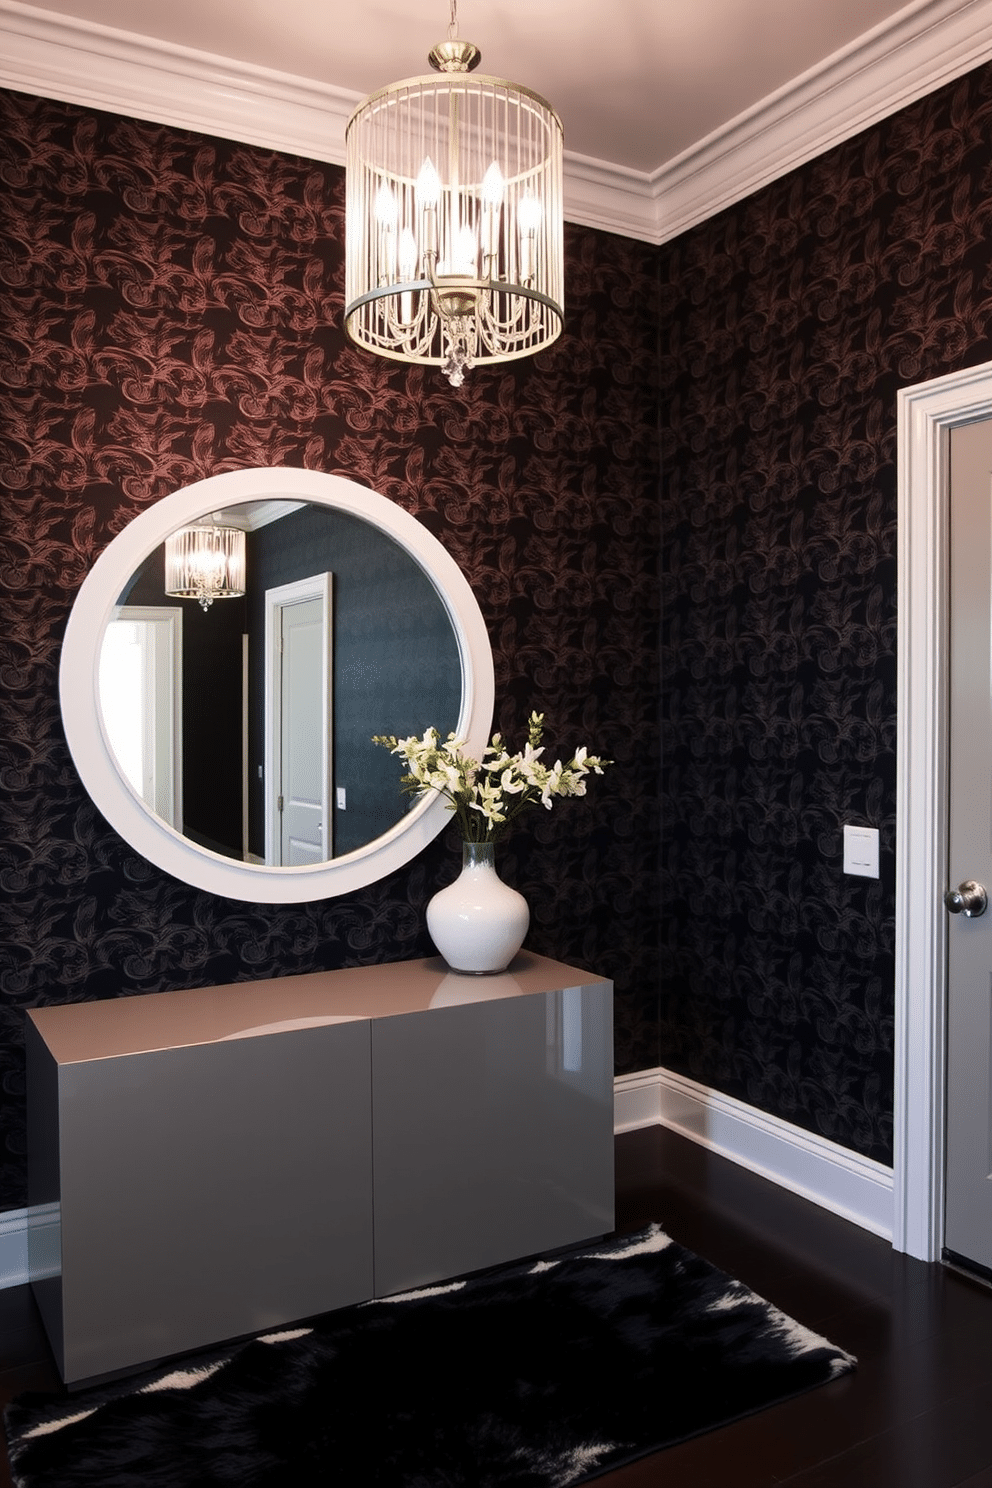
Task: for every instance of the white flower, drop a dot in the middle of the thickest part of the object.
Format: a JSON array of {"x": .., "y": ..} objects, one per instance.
[{"x": 485, "y": 795}]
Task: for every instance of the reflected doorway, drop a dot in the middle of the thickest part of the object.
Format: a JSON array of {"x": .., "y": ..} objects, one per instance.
[
  {"x": 298, "y": 767},
  {"x": 141, "y": 701}
]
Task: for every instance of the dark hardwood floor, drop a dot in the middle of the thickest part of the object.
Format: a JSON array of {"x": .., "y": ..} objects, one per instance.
[{"x": 917, "y": 1413}]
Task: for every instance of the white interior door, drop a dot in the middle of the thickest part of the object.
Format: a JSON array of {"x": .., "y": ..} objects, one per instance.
[
  {"x": 304, "y": 783},
  {"x": 299, "y": 723},
  {"x": 968, "y": 1176}
]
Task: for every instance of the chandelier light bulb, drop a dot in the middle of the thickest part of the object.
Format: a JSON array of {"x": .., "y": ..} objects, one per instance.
[
  {"x": 493, "y": 186},
  {"x": 465, "y": 253},
  {"x": 529, "y": 214},
  {"x": 428, "y": 189},
  {"x": 386, "y": 210},
  {"x": 408, "y": 254}
]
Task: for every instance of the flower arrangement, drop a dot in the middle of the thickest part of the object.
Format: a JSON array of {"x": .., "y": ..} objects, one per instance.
[{"x": 485, "y": 795}]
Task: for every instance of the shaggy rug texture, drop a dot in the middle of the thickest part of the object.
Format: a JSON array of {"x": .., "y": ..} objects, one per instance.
[{"x": 536, "y": 1375}]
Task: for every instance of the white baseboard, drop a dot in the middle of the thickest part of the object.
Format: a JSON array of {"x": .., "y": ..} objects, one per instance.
[
  {"x": 45, "y": 1220},
  {"x": 907, "y": 55},
  {"x": 13, "y": 1247},
  {"x": 829, "y": 1175},
  {"x": 854, "y": 1187}
]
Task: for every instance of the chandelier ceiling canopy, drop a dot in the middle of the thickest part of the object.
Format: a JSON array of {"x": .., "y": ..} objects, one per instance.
[{"x": 454, "y": 217}]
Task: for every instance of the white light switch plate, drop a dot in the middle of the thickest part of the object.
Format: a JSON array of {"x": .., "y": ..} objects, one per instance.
[
  {"x": 861, "y": 851},
  {"x": 342, "y": 798}
]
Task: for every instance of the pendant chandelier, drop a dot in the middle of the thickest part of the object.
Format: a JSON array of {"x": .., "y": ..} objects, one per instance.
[
  {"x": 454, "y": 217},
  {"x": 205, "y": 562}
]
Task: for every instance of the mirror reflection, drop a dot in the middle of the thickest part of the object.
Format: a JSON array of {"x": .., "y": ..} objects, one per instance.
[{"x": 246, "y": 723}]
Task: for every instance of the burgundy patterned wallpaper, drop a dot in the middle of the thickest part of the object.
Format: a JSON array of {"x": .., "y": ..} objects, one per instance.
[
  {"x": 788, "y": 324},
  {"x": 170, "y": 307}
]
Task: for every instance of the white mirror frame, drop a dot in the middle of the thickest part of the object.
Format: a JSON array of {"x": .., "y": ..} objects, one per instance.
[{"x": 95, "y": 760}]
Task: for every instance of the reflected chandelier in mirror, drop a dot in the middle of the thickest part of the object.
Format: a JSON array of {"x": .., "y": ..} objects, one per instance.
[{"x": 213, "y": 762}]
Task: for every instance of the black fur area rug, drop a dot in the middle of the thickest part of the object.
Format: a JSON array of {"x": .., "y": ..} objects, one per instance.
[{"x": 541, "y": 1374}]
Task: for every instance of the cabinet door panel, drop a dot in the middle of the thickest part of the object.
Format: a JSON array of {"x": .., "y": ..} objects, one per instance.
[
  {"x": 493, "y": 1132},
  {"x": 211, "y": 1191}
]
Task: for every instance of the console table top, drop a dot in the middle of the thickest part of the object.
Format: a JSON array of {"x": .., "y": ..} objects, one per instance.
[{"x": 76, "y": 1032}]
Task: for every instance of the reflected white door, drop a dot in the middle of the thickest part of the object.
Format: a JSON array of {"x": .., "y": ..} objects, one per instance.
[
  {"x": 141, "y": 703},
  {"x": 298, "y": 723},
  {"x": 304, "y": 786},
  {"x": 968, "y": 1192}
]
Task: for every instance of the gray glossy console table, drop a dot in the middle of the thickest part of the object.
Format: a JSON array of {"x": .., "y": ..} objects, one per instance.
[{"x": 218, "y": 1162}]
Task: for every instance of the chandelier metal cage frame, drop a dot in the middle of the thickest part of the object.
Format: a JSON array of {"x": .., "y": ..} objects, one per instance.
[
  {"x": 205, "y": 562},
  {"x": 455, "y": 253}
]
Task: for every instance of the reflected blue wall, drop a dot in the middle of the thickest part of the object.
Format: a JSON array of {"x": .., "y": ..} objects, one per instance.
[{"x": 396, "y": 663}]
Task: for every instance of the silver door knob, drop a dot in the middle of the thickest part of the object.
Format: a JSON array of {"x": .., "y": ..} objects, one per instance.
[{"x": 969, "y": 898}]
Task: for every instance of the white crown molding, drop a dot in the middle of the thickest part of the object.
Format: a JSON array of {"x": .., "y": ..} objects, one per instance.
[
  {"x": 928, "y": 43},
  {"x": 914, "y": 52},
  {"x": 610, "y": 197},
  {"x": 60, "y": 56}
]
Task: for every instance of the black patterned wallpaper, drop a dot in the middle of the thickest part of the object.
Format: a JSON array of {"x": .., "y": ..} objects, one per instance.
[
  {"x": 788, "y": 324},
  {"x": 170, "y": 307}
]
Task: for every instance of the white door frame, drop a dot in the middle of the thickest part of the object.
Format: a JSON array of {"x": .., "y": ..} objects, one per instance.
[
  {"x": 316, "y": 586},
  {"x": 925, "y": 415}
]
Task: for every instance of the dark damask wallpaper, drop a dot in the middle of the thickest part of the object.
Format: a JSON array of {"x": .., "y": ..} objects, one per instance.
[
  {"x": 788, "y": 324},
  {"x": 170, "y": 307}
]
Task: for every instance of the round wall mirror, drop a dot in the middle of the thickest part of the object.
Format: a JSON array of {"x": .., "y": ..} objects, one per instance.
[{"x": 229, "y": 658}]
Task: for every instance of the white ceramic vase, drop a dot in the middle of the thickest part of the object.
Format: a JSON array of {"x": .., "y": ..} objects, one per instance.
[{"x": 478, "y": 923}]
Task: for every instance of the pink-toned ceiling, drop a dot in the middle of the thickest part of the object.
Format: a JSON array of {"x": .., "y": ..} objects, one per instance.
[{"x": 636, "y": 82}]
